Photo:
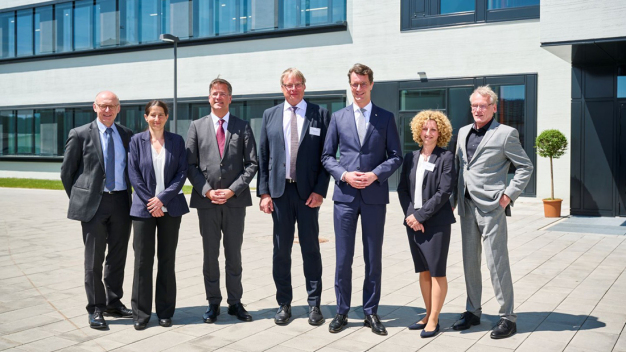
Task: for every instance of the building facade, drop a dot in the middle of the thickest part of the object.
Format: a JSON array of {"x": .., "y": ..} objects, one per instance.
[{"x": 539, "y": 57}]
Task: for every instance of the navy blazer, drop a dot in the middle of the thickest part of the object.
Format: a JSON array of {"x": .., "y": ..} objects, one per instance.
[
  {"x": 143, "y": 178},
  {"x": 310, "y": 173},
  {"x": 437, "y": 187},
  {"x": 379, "y": 154}
]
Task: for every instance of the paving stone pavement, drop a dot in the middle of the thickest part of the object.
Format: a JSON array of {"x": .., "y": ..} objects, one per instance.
[{"x": 570, "y": 290}]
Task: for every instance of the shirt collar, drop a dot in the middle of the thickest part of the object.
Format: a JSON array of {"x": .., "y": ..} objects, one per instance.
[
  {"x": 103, "y": 128},
  {"x": 368, "y": 108},
  {"x": 484, "y": 128},
  {"x": 300, "y": 106},
  {"x": 215, "y": 118}
]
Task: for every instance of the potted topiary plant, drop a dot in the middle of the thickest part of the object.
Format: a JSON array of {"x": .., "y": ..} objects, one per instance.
[{"x": 551, "y": 144}]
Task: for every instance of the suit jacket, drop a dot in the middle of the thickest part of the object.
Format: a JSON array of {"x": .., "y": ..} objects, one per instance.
[
  {"x": 82, "y": 171},
  {"x": 485, "y": 175},
  {"x": 311, "y": 175},
  {"x": 207, "y": 170},
  {"x": 437, "y": 187},
  {"x": 143, "y": 178},
  {"x": 379, "y": 154}
]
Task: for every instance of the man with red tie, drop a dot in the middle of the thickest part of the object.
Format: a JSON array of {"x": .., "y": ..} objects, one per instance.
[{"x": 221, "y": 152}]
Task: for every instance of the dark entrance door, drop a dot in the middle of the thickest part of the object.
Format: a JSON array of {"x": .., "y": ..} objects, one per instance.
[{"x": 622, "y": 161}]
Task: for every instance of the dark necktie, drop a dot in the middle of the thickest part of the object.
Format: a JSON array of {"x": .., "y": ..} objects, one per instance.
[
  {"x": 221, "y": 137},
  {"x": 109, "y": 166},
  {"x": 294, "y": 143}
]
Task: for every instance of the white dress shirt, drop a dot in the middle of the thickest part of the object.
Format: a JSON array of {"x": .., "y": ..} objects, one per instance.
[
  {"x": 158, "y": 162},
  {"x": 300, "y": 111},
  {"x": 419, "y": 181},
  {"x": 367, "y": 114},
  {"x": 120, "y": 155},
  {"x": 216, "y": 123}
]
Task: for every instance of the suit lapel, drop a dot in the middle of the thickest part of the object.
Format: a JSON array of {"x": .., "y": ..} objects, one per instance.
[
  {"x": 211, "y": 135},
  {"x": 462, "y": 139},
  {"x": 168, "y": 156},
  {"x": 95, "y": 136},
  {"x": 352, "y": 124},
  {"x": 231, "y": 127},
  {"x": 373, "y": 120},
  {"x": 412, "y": 180},
  {"x": 308, "y": 116},
  {"x": 146, "y": 146},
  {"x": 490, "y": 132}
]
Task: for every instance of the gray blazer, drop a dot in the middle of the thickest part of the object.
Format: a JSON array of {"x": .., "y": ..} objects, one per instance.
[
  {"x": 207, "y": 170},
  {"x": 82, "y": 172},
  {"x": 484, "y": 176}
]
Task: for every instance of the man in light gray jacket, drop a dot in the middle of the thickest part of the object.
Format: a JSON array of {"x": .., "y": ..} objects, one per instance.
[{"x": 485, "y": 150}]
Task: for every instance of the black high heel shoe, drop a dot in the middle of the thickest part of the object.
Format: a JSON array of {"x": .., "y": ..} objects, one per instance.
[{"x": 426, "y": 334}]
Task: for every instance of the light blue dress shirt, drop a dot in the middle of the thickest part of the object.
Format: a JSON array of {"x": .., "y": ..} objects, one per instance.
[{"x": 120, "y": 155}]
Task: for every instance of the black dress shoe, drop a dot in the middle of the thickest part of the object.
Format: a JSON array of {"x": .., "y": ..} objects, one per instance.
[
  {"x": 211, "y": 313},
  {"x": 315, "y": 316},
  {"x": 119, "y": 312},
  {"x": 417, "y": 326},
  {"x": 467, "y": 320},
  {"x": 373, "y": 321},
  {"x": 338, "y": 323},
  {"x": 239, "y": 311},
  {"x": 140, "y": 325},
  {"x": 425, "y": 334},
  {"x": 283, "y": 314},
  {"x": 96, "y": 320},
  {"x": 504, "y": 329},
  {"x": 165, "y": 322}
]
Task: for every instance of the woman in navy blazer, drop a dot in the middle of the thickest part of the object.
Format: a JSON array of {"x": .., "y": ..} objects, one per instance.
[
  {"x": 157, "y": 167},
  {"x": 424, "y": 190}
]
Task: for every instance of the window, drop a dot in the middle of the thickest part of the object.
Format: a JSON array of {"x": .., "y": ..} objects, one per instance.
[
  {"x": 25, "y": 32},
  {"x": 149, "y": 19},
  {"x": 176, "y": 18},
  {"x": 621, "y": 82},
  {"x": 63, "y": 25},
  {"x": 25, "y": 132},
  {"x": 44, "y": 30},
  {"x": 417, "y": 14},
  {"x": 83, "y": 25},
  {"x": 7, "y": 34},
  {"x": 106, "y": 23},
  {"x": 228, "y": 17},
  {"x": 7, "y": 132},
  {"x": 129, "y": 22},
  {"x": 202, "y": 19}
]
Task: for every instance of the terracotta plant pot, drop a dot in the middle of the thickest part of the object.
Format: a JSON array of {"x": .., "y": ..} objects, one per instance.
[{"x": 552, "y": 208}]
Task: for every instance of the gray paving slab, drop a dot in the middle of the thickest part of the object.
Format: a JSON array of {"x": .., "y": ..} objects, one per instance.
[{"x": 569, "y": 287}]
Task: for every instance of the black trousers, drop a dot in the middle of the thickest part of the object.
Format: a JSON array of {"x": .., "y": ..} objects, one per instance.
[
  {"x": 288, "y": 209},
  {"x": 214, "y": 222},
  {"x": 110, "y": 227},
  {"x": 166, "y": 238}
]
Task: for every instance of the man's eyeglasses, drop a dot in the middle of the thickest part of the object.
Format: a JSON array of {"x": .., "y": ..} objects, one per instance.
[
  {"x": 359, "y": 85},
  {"x": 292, "y": 86},
  {"x": 103, "y": 107},
  {"x": 480, "y": 107}
]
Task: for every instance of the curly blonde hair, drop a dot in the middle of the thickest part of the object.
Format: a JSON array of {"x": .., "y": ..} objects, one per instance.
[{"x": 443, "y": 127}]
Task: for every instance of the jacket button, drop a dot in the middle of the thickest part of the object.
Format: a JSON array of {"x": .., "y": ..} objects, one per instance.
[
  {"x": 358, "y": 168},
  {"x": 219, "y": 178},
  {"x": 221, "y": 164},
  {"x": 424, "y": 186},
  {"x": 423, "y": 200}
]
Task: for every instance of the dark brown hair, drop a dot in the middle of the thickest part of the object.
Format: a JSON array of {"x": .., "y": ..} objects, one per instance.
[
  {"x": 361, "y": 69},
  {"x": 158, "y": 103},
  {"x": 221, "y": 81}
]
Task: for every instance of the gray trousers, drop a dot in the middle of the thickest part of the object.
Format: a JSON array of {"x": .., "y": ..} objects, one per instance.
[
  {"x": 488, "y": 232},
  {"x": 230, "y": 222}
]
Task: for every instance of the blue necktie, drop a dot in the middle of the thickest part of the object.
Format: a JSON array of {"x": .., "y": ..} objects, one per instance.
[{"x": 109, "y": 165}]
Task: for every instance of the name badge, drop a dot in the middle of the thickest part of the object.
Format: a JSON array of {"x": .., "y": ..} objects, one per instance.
[
  {"x": 315, "y": 131},
  {"x": 429, "y": 166}
]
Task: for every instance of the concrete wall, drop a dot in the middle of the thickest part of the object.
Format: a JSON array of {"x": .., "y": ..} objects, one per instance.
[
  {"x": 574, "y": 20},
  {"x": 254, "y": 67}
]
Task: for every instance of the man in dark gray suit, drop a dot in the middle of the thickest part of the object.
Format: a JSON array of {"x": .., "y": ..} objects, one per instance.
[
  {"x": 95, "y": 178},
  {"x": 221, "y": 152},
  {"x": 485, "y": 151},
  {"x": 292, "y": 184}
]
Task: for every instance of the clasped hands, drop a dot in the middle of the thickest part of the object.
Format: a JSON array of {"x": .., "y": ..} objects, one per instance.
[
  {"x": 266, "y": 204},
  {"x": 154, "y": 207},
  {"x": 359, "y": 180},
  {"x": 219, "y": 196},
  {"x": 414, "y": 224}
]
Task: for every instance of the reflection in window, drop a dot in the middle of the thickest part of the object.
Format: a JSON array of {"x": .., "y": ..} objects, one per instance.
[
  {"x": 261, "y": 15},
  {"x": 505, "y": 4},
  {"x": 452, "y": 6},
  {"x": 7, "y": 34},
  {"x": 228, "y": 16},
  {"x": 83, "y": 116},
  {"x": 202, "y": 19},
  {"x": 25, "y": 132},
  {"x": 46, "y": 134},
  {"x": 7, "y": 132},
  {"x": 150, "y": 14},
  {"x": 44, "y": 30},
  {"x": 459, "y": 110},
  {"x": 63, "y": 23},
  {"x": 176, "y": 18},
  {"x": 25, "y": 32},
  {"x": 106, "y": 23},
  {"x": 83, "y": 25},
  {"x": 129, "y": 22},
  {"x": 423, "y": 99},
  {"x": 511, "y": 104}
]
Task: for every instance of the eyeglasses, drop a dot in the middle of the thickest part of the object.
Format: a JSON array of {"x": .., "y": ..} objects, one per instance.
[
  {"x": 292, "y": 86},
  {"x": 480, "y": 107},
  {"x": 359, "y": 85},
  {"x": 103, "y": 107}
]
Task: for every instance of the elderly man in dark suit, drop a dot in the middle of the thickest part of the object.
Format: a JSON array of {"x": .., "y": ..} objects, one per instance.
[
  {"x": 95, "y": 178},
  {"x": 369, "y": 147},
  {"x": 292, "y": 184},
  {"x": 222, "y": 158}
]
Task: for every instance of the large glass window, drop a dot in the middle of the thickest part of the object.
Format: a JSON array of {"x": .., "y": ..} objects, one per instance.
[
  {"x": 7, "y": 34},
  {"x": 621, "y": 82},
  {"x": 202, "y": 19},
  {"x": 25, "y": 32},
  {"x": 177, "y": 18},
  {"x": 129, "y": 22},
  {"x": 83, "y": 24},
  {"x": 261, "y": 15},
  {"x": 63, "y": 25},
  {"x": 7, "y": 132},
  {"x": 452, "y": 6},
  {"x": 505, "y": 4},
  {"x": 106, "y": 23},
  {"x": 25, "y": 132},
  {"x": 228, "y": 16},
  {"x": 46, "y": 138},
  {"x": 44, "y": 30},
  {"x": 149, "y": 19}
]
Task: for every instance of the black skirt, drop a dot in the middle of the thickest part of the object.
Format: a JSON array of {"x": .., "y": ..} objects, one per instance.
[{"x": 430, "y": 249}]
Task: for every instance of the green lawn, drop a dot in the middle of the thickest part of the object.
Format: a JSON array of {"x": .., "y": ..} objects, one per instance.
[{"x": 46, "y": 184}]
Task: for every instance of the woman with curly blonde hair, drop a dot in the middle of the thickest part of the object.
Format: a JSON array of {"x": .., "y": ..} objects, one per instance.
[{"x": 425, "y": 187}]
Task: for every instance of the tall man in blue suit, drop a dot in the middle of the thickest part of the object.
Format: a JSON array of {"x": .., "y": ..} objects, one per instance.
[
  {"x": 369, "y": 147},
  {"x": 292, "y": 184}
]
